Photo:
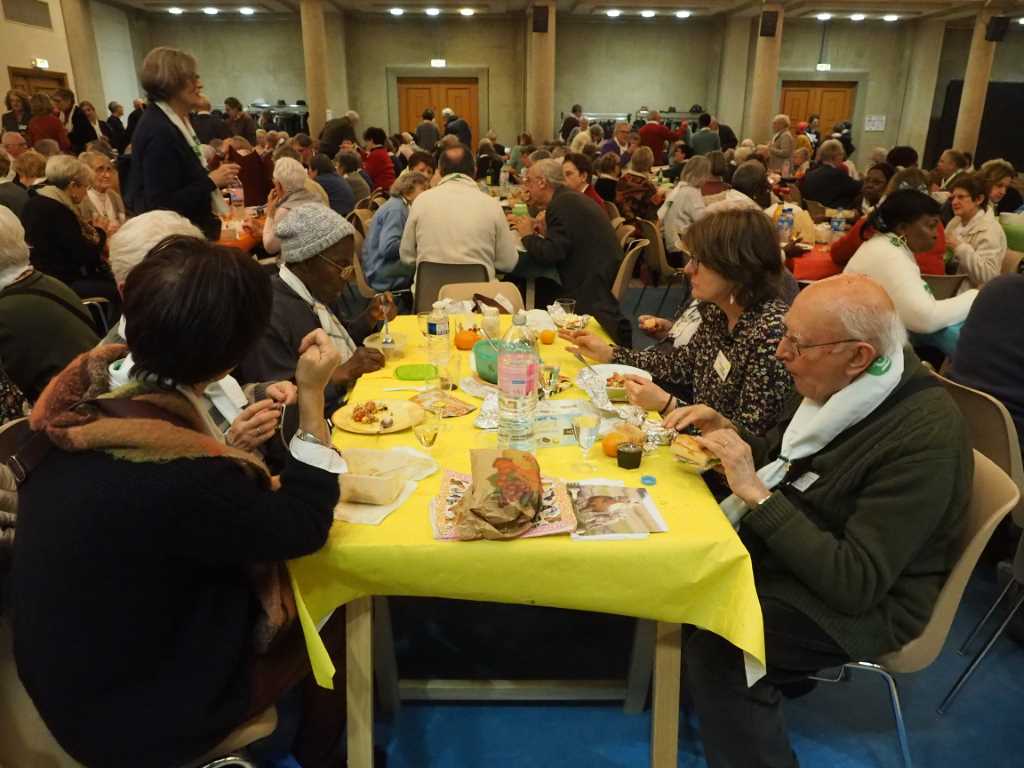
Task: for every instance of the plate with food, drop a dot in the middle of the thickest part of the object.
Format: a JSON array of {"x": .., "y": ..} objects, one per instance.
[
  {"x": 378, "y": 417},
  {"x": 614, "y": 379},
  {"x": 687, "y": 450}
]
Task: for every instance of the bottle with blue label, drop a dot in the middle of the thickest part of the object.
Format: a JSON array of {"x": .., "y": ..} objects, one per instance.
[
  {"x": 838, "y": 225},
  {"x": 784, "y": 225},
  {"x": 438, "y": 336}
]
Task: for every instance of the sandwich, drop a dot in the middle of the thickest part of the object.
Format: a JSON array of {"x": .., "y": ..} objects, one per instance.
[{"x": 688, "y": 450}]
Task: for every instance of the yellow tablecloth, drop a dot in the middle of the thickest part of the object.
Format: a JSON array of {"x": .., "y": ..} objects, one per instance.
[{"x": 696, "y": 573}]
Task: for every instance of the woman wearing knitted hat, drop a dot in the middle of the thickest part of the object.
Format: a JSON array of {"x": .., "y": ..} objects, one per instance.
[{"x": 316, "y": 265}]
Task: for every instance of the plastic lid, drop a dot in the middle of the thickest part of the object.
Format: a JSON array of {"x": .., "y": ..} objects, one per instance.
[
  {"x": 520, "y": 318},
  {"x": 649, "y": 480}
]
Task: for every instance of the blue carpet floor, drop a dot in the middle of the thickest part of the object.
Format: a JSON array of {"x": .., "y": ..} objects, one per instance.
[{"x": 846, "y": 725}]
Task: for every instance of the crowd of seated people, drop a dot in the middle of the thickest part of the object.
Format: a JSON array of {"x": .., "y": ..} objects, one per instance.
[{"x": 751, "y": 362}]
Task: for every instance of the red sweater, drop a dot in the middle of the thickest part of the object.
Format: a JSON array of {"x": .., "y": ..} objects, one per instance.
[
  {"x": 590, "y": 192},
  {"x": 380, "y": 167},
  {"x": 48, "y": 127},
  {"x": 931, "y": 263},
  {"x": 654, "y": 135}
]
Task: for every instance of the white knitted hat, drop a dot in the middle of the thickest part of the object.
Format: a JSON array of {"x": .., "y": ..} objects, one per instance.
[{"x": 310, "y": 229}]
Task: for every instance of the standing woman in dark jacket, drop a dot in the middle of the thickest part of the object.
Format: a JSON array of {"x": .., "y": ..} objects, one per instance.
[
  {"x": 163, "y": 652},
  {"x": 18, "y": 113},
  {"x": 167, "y": 169},
  {"x": 64, "y": 246}
]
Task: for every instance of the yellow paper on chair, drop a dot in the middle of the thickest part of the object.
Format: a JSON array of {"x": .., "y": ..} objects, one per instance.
[{"x": 698, "y": 572}]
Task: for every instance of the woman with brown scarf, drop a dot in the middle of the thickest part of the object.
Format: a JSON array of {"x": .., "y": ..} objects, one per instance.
[{"x": 152, "y": 612}]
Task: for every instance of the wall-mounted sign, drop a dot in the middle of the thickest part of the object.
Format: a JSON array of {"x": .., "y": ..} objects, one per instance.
[
  {"x": 874, "y": 122},
  {"x": 40, "y": 63}
]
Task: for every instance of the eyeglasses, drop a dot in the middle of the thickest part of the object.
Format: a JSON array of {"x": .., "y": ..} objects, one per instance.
[
  {"x": 798, "y": 348},
  {"x": 346, "y": 273}
]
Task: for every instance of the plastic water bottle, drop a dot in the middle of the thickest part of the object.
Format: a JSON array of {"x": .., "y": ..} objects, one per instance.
[
  {"x": 785, "y": 226},
  {"x": 518, "y": 376},
  {"x": 503, "y": 178},
  {"x": 236, "y": 197},
  {"x": 438, "y": 338},
  {"x": 838, "y": 224}
]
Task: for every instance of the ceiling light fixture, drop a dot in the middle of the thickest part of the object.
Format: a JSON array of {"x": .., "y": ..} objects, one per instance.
[
  {"x": 890, "y": 17},
  {"x": 210, "y": 11},
  {"x": 175, "y": 11},
  {"x": 396, "y": 11},
  {"x": 432, "y": 11},
  {"x": 613, "y": 14},
  {"x": 466, "y": 11},
  {"x": 1021, "y": 20},
  {"x": 246, "y": 11},
  {"x": 648, "y": 14},
  {"x": 683, "y": 14},
  {"x": 823, "y": 16},
  {"x": 857, "y": 17}
]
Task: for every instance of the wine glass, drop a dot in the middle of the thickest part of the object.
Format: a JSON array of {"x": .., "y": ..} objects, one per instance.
[
  {"x": 422, "y": 318},
  {"x": 549, "y": 380},
  {"x": 426, "y": 431},
  {"x": 584, "y": 427}
]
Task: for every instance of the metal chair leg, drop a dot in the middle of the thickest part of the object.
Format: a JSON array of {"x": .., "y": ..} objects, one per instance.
[
  {"x": 985, "y": 618},
  {"x": 977, "y": 659},
  {"x": 668, "y": 287},
  {"x": 640, "y": 299},
  {"x": 894, "y": 697}
]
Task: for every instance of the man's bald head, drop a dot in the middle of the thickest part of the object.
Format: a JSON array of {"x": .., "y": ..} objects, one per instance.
[
  {"x": 858, "y": 307},
  {"x": 835, "y": 330}
]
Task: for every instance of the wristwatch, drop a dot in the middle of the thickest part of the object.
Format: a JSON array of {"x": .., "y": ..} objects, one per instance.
[{"x": 309, "y": 437}]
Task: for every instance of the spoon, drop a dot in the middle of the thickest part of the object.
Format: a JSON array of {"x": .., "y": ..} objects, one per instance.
[
  {"x": 489, "y": 339},
  {"x": 386, "y": 339},
  {"x": 579, "y": 357}
]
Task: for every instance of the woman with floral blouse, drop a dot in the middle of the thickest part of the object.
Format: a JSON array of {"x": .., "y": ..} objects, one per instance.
[{"x": 729, "y": 363}]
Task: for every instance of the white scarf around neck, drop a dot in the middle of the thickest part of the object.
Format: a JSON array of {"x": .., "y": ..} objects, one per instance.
[
  {"x": 815, "y": 425},
  {"x": 217, "y": 204},
  {"x": 327, "y": 319}
]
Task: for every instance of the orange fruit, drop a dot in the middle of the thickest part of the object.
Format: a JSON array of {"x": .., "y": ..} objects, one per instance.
[
  {"x": 465, "y": 339},
  {"x": 547, "y": 336},
  {"x": 610, "y": 443}
]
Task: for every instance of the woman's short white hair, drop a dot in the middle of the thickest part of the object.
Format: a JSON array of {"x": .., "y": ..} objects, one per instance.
[
  {"x": 696, "y": 171},
  {"x": 831, "y": 151},
  {"x": 290, "y": 174},
  {"x": 13, "y": 248},
  {"x": 137, "y": 236},
  {"x": 61, "y": 170}
]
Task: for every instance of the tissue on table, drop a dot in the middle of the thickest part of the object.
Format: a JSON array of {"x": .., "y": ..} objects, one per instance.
[{"x": 568, "y": 322}]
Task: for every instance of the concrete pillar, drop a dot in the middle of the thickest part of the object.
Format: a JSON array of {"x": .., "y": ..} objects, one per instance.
[
  {"x": 85, "y": 60},
  {"x": 540, "y": 76},
  {"x": 972, "y": 99},
  {"x": 732, "y": 83},
  {"x": 314, "y": 51},
  {"x": 764, "y": 97},
  {"x": 922, "y": 75},
  {"x": 337, "y": 72}
]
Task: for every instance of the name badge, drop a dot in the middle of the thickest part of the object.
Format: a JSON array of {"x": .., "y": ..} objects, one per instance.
[
  {"x": 805, "y": 481},
  {"x": 722, "y": 366}
]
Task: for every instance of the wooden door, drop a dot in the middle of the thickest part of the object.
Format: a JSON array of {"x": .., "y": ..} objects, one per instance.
[
  {"x": 30, "y": 81},
  {"x": 832, "y": 102},
  {"x": 418, "y": 93}
]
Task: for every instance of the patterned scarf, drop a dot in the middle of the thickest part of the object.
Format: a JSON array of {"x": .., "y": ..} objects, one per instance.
[{"x": 85, "y": 428}]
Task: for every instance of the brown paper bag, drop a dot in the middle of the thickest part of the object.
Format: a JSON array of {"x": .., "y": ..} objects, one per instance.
[{"x": 505, "y": 497}]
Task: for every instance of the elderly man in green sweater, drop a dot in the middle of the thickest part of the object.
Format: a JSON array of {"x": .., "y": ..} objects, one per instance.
[{"x": 849, "y": 507}]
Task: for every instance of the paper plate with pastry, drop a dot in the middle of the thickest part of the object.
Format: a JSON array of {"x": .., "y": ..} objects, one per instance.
[
  {"x": 377, "y": 417},
  {"x": 687, "y": 450}
]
